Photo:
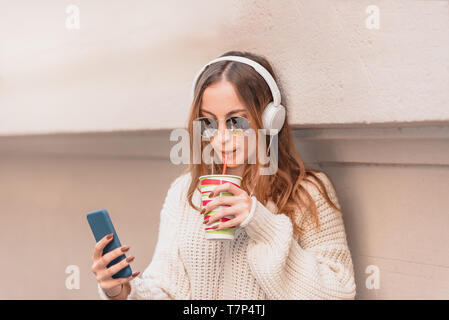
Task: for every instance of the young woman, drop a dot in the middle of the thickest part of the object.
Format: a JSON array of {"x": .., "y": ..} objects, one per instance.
[{"x": 290, "y": 241}]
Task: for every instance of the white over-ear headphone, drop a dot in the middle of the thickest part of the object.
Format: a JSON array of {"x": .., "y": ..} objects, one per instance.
[{"x": 273, "y": 115}]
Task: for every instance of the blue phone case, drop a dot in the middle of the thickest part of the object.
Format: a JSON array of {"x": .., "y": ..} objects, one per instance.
[{"x": 101, "y": 225}]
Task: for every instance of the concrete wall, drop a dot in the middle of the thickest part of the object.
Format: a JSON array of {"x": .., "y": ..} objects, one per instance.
[
  {"x": 43, "y": 218},
  {"x": 130, "y": 65}
]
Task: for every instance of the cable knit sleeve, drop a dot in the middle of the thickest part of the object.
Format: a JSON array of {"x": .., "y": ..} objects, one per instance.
[
  {"x": 165, "y": 277},
  {"x": 316, "y": 266}
]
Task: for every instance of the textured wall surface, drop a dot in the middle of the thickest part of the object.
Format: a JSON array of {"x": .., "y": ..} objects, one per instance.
[{"x": 130, "y": 65}]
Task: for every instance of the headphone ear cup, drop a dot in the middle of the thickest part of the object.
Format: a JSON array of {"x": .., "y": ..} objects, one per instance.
[{"x": 273, "y": 117}]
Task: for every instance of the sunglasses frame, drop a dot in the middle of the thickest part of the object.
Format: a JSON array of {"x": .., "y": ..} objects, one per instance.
[{"x": 245, "y": 130}]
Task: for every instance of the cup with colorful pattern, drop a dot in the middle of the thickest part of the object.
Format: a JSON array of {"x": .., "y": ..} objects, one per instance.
[{"x": 207, "y": 184}]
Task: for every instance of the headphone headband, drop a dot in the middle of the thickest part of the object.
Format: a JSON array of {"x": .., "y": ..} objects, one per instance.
[{"x": 256, "y": 66}]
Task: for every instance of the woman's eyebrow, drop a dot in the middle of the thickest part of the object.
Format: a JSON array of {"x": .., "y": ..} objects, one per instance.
[{"x": 229, "y": 113}]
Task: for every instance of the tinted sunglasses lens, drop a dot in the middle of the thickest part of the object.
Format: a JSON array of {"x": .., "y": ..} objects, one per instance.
[
  {"x": 208, "y": 127},
  {"x": 238, "y": 125}
]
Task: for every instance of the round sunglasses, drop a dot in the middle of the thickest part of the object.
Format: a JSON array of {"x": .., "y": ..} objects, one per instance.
[{"x": 237, "y": 125}]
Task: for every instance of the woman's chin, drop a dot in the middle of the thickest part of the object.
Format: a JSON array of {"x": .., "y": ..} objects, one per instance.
[
  {"x": 234, "y": 164},
  {"x": 234, "y": 161}
]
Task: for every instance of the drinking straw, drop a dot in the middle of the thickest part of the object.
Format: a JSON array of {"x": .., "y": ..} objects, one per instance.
[{"x": 224, "y": 164}]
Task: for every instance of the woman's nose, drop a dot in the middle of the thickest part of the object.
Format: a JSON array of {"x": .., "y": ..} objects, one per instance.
[{"x": 223, "y": 135}]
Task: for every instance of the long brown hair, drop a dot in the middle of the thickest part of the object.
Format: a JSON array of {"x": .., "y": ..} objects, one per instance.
[{"x": 285, "y": 187}]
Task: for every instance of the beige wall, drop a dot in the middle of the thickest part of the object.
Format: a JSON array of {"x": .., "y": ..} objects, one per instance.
[
  {"x": 44, "y": 201},
  {"x": 130, "y": 66},
  {"x": 392, "y": 184}
]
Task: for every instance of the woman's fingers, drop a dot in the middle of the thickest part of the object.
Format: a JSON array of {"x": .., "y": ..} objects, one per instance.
[
  {"x": 100, "y": 262},
  {"x": 230, "y": 223},
  {"x": 98, "y": 250},
  {"x": 111, "y": 283},
  {"x": 109, "y": 272},
  {"x": 111, "y": 255},
  {"x": 226, "y": 187},
  {"x": 224, "y": 212},
  {"x": 220, "y": 201},
  {"x": 124, "y": 280}
]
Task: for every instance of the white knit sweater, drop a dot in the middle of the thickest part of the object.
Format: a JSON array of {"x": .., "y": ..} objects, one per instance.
[{"x": 264, "y": 261}]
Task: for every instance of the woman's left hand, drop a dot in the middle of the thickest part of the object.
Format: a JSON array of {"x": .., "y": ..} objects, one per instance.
[{"x": 239, "y": 206}]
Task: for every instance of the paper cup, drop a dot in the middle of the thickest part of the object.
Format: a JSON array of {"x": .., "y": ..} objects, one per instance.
[{"x": 207, "y": 184}]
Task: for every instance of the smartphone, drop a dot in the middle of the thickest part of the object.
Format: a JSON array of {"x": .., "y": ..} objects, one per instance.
[{"x": 101, "y": 225}]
